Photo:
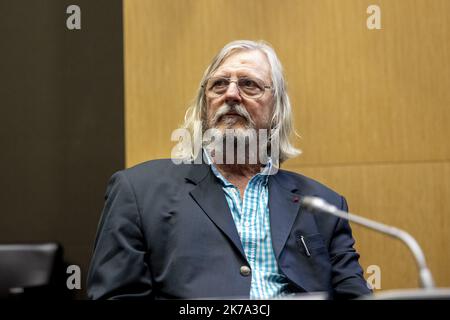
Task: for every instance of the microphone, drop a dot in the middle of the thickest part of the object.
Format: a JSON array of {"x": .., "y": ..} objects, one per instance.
[{"x": 318, "y": 204}]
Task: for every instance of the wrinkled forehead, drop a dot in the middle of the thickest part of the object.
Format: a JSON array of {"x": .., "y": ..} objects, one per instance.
[{"x": 245, "y": 63}]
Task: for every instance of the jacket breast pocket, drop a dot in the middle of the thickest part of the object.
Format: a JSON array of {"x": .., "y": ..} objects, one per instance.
[{"x": 310, "y": 245}]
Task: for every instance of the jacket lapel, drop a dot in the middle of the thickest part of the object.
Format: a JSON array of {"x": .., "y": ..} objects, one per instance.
[
  {"x": 284, "y": 206},
  {"x": 285, "y": 211},
  {"x": 209, "y": 195}
]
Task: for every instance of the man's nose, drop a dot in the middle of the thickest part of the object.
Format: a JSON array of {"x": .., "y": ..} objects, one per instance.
[{"x": 232, "y": 94}]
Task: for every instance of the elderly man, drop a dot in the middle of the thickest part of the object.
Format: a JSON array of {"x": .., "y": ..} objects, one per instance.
[{"x": 220, "y": 228}]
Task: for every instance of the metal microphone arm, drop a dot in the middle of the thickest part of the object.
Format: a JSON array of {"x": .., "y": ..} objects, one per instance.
[{"x": 318, "y": 204}]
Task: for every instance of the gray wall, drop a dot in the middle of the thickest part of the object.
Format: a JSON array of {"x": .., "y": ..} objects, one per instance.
[{"x": 61, "y": 132}]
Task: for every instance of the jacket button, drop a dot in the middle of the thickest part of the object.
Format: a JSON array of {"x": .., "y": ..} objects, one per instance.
[{"x": 245, "y": 271}]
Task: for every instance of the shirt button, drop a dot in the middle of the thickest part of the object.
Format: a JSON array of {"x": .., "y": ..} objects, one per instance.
[
  {"x": 247, "y": 224},
  {"x": 245, "y": 271}
]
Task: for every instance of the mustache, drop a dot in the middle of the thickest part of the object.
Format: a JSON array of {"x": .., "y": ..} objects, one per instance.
[{"x": 238, "y": 109}]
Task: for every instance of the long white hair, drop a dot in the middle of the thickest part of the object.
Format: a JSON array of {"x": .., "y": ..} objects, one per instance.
[{"x": 281, "y": 121}]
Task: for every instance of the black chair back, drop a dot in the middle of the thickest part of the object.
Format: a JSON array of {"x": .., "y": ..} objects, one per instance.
[{"x": 31, "y": 271}]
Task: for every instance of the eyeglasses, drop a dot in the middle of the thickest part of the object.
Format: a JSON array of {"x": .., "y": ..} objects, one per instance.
[{"x": 248, "y": 87}]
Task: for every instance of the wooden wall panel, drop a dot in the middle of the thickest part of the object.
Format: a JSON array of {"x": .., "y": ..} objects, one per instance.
[
  {"x": 379, "y": 95},
  {"x": 372, "y": 106}
]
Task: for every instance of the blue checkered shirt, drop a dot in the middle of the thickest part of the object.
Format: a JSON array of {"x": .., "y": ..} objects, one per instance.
[{"x": 251, "y": 217}]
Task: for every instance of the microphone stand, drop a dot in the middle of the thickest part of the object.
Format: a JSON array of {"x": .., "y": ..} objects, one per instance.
[{"x": 318, "y": 204}]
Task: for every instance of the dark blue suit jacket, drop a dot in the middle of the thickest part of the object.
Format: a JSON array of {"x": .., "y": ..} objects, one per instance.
[{"x": 166, "y": 232}]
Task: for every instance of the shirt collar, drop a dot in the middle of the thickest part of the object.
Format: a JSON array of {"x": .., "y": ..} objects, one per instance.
[{"x": 263, "y": 175}]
